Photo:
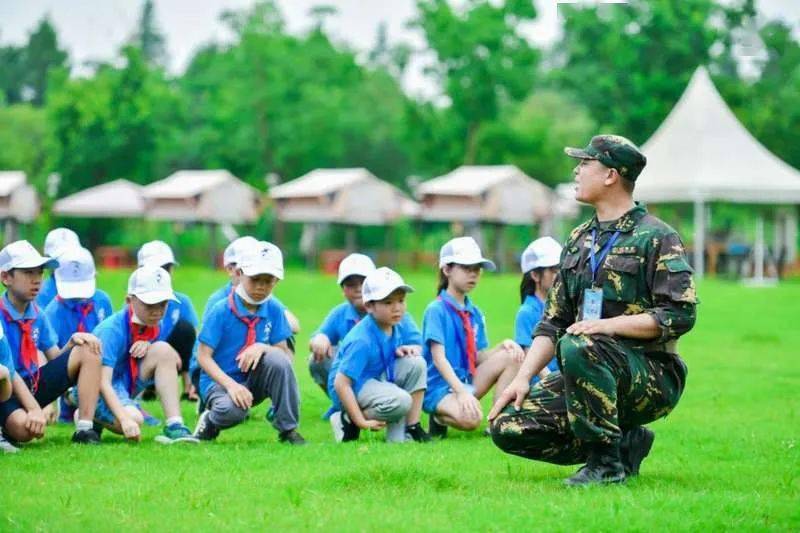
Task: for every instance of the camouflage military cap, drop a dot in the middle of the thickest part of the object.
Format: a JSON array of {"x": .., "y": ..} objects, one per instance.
[{"x": 615, "y": 152}]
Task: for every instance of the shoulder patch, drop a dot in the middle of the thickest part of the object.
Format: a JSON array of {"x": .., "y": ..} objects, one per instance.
[{"x": 625, "y": 250}]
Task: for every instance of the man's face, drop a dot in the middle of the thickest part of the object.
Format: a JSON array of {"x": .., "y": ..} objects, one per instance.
[{"x": 591, "y": 178}]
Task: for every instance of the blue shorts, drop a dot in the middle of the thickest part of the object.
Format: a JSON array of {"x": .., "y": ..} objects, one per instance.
[
  {"x": 53, "y": 382},
  {"x": 434, "y": 396},
  {"x": 103, "y": 413}
]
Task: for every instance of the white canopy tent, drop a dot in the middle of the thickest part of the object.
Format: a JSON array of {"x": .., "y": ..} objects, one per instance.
[
  {"x": 115, "y": 199},
  {"x": 701, "y": 153}
]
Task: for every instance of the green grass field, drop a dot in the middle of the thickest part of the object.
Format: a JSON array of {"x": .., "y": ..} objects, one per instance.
[{"x": 727, "y": 458}]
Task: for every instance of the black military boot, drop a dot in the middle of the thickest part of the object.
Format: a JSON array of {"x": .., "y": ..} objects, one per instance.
[
  {"x": 604, "y": 466},
  {"x": 634, "y": 447}
]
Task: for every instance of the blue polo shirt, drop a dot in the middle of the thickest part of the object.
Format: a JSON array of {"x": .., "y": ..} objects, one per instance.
[
  {"x": 528, "y": 316},
  {"x": 115, "y": 337},
  {"x": 43, "y": 334},
  {"x": 175, "y": 312},
  {"x": 345, "y": 316},
  {"x": 6, "y": 359},
  {"x": 47, "y": 292},
  {"x": 64, "y": 315},
  {"x": 442, "y": 325},
  {"x": 224, "y": 333},
  {"x": 365, "y": 353}
]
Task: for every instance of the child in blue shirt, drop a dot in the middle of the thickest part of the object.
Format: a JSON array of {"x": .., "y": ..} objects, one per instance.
[
  {"x": 243, "y": 352},
  {"x": 134, "y": 358},
  {"x": 352, "y": 271},
  {"x": 461, "y": 369},
  {"x": 539, "y": 264},
  {"x": 45, "y": 370},
  {"x": 7, "y": 377},
  {"x": 57, "y": 242},
  {"x": 179, "y": 326},
  {"x": 79, "y": 305},
  {"x": 371, "y": 381}
]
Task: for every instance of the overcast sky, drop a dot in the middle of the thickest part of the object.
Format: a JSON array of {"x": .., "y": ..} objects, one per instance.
[{"x": 94, "y": 29}]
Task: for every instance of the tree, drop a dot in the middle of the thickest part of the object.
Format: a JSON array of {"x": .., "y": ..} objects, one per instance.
[
  {"x": 148, "y": 38},
  {"x": 41, "y": 56},
  {"x": 12, "y": 73},
  {"x": 482, "y": 61},
  {"x": 629, "y": 63}
]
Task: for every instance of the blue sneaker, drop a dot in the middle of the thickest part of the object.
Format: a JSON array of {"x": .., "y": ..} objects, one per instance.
[
  {"x": 271, "y": 414},
  {"x": 176, "y": 433}
]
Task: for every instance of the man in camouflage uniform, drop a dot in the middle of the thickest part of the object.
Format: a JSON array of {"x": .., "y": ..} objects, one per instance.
[{"x": 623, "y": 296}]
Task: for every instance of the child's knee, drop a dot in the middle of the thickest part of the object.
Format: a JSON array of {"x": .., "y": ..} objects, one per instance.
[
  {"x": 165, "y": 354},
  {"x": 276, "y": 359},
  {"x": 86, "y": 356}
]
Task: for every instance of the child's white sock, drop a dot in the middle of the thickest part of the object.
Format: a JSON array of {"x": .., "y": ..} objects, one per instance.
[
  {"x": 83, "y": 425},
  {"x": 174, "y": 420}
]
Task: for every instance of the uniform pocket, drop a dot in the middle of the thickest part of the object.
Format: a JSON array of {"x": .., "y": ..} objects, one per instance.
[{"x": 622, "y": 278}]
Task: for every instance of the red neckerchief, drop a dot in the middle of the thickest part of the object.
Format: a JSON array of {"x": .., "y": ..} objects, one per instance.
[
  {"x": 84, "y": 308},
  {"x": 27, "y": 347},
  {"x": 138, "y": 332},
  {"x": 250, "y": 322},
  {"x": 469, "y": 333}
]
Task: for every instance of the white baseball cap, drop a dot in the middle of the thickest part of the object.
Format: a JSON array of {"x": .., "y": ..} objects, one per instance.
[
  {"x": 155, "y": 253},
  {"x": 355, "y": 265},
  {"x": 463, "y": 251},
  {"x": 382, "y": 282},
  {"x": 22, "y": 254},
  {"x": 75, "y": 275},
  {"x": 234, "y": 249},
  {"x": 151, "y": 284},
  {"x": 543, "y": 252},
  {"x": 59, "y": 240},
  {"x": 261, "y": 258}
]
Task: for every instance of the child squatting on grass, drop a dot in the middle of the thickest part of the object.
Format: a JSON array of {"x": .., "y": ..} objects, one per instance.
[
  {"x": 43, "y": 370},
  {"x": 460, "y": 368},
  {"x": 134, "y": 359},
  {"x": 374, "y": 381},
  {"x": 244, "y": 355}
]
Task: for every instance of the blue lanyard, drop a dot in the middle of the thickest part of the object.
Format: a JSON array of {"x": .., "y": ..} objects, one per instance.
[{"x": 595, "y": 262}]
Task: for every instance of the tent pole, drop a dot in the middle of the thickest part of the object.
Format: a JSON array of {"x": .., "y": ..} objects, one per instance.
[
  {"x": 758, "y": 273},
  {"x": 699, "y": 237}
]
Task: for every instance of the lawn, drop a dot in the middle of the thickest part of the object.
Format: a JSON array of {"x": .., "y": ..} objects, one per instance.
[{"x": 728, "y": 457}]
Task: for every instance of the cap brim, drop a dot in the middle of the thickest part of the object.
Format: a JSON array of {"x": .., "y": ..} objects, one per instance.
[
  {"x": 159, "y": 261},
  {"x": 76, "y": 289},
  {"x": 347, "y": 275},
  {"x": 255, "y": 270},
  {"x": 383, "y": 294},
  {"x": 578, "y": 153},
  {"x": 155, "y": 297},
  {"x": 44, "y": 262}
]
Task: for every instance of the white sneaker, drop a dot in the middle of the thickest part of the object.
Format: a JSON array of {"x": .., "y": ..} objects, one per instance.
[
  {"x": 336, "y": 426},
  {"x": 7, "y": 447}
]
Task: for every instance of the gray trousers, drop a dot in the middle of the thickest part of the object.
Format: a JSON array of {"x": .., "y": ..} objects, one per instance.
[
  {"x": 273, "y": 378},
  {"x": 387, "y": 401},
  {"x": 319, "y": 370}
]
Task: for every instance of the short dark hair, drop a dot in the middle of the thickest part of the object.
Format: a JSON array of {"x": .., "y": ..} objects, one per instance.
[{"x": 628, "y": 185}]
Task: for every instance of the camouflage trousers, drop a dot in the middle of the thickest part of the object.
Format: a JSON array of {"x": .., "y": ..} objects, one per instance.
[{"x": 604, "y": 388}]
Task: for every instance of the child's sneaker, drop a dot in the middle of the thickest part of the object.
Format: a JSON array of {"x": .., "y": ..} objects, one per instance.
[
  {"x": 149, "y": 419},
  {"x": 205, "y": 429},
  {"x": 7, "y": 447},
  {"x": 292, "y": 437},
  {"x": 417, "y": 434},
  {"x": 435, "y": 429},
  {"x": 176, "y": 433},
  {"x": 86, "y": 436},
  {"x": 343, "y": 429}
]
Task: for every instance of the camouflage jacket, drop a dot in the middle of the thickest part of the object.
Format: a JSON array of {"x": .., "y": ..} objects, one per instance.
[{"x": 645, "y": 271}]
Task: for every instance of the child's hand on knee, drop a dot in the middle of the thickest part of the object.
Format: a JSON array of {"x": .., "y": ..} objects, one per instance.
[
  {"x": 241, "y": 396},
  {"x": 139, "y": 349}
]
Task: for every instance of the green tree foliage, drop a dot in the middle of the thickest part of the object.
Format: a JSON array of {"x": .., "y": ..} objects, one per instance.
[
  {"x": 112, "y": 125},
  {"x": 148, "y": 37},
  {"x": 629, "y": 63},
  {"x": 24, "y": 70},
  {"x": 274, "y": 102},
  {"x": 23, "y": 135},
  {"x": 482, "y": 61}
]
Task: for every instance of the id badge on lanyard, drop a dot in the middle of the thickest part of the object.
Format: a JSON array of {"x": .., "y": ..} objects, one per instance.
[{"x": 593, "y": 297}]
